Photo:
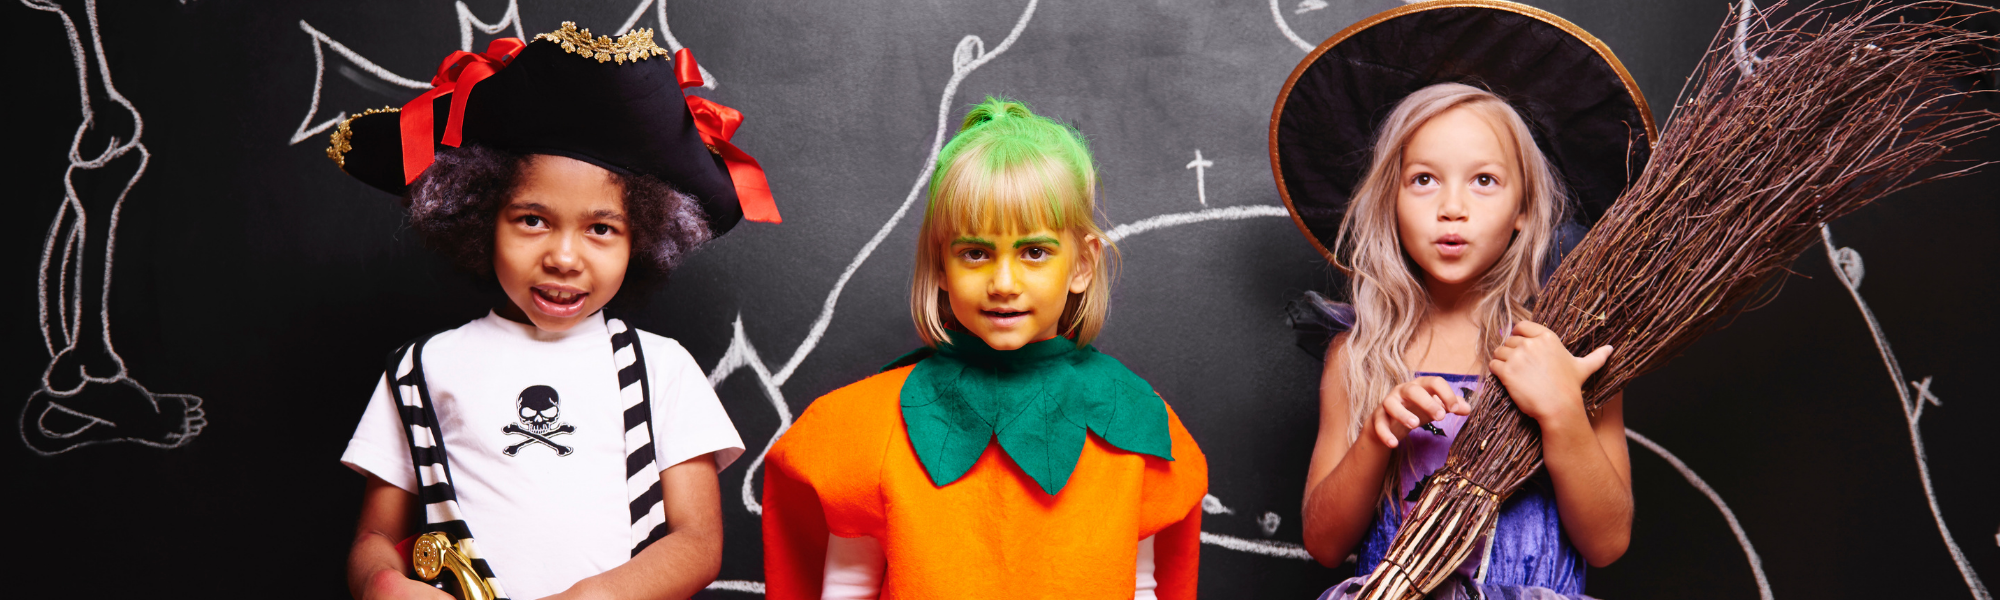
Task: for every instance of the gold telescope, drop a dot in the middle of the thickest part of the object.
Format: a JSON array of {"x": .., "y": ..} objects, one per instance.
[{"x": 434, "y": 553}]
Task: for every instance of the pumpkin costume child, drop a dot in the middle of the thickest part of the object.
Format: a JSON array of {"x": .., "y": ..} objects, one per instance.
[{"x": 1008, "y": 458}]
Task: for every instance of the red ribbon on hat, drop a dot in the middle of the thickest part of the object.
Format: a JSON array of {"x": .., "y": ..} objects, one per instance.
[
  {"x": 718, "y": 123},
  {"x": 456, "y": 75}
]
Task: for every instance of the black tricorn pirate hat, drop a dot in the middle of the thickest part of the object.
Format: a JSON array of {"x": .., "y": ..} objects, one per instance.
[
  {"x": 614, "y": 103},
  {"x": 1584, "y": 110}
]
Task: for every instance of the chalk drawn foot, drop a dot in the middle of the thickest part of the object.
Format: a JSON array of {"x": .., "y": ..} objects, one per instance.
[
  {"x": 117, "y": 411},
  {"x": 72, "y": 369}
]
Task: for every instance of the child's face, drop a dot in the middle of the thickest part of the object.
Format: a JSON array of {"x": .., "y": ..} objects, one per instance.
[
  {"x": 1010, "y": 288},
  {"x": 1458, "y": 203},
  {"x": 560, "y": 246}
]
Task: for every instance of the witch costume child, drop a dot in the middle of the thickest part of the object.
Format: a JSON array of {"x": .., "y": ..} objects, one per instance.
[
  {"x": 1008, "y": 458},
  {"x": 582, "y": 451},
  {"x": 1789, "y": 122},
  {"x": 1444, "y": 155}
]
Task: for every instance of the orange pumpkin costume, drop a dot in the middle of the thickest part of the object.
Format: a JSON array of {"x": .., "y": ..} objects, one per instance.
[{"x": 847, "y": 468}]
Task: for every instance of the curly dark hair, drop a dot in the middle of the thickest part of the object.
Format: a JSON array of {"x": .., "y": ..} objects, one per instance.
[{"x": 455, "y": 204}]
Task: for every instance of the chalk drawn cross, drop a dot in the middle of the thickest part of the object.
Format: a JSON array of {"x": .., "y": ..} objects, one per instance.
[{"x": 1200, "y": 166}]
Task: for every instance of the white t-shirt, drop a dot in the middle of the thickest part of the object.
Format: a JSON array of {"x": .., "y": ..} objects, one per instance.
[{"x": 544, "y": 520}]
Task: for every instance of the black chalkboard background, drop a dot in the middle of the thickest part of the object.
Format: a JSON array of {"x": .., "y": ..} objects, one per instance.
[{"x": 253, "y": 274}]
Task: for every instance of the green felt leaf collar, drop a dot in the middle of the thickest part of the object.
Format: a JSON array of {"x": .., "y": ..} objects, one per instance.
[{"x": 1038, "y": 401}]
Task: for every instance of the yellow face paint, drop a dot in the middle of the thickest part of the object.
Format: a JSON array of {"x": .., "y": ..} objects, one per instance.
[{"x": 1010, "y": 288}]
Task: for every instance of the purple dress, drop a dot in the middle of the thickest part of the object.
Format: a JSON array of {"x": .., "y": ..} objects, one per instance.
[{"x": 1530, "y": 558}]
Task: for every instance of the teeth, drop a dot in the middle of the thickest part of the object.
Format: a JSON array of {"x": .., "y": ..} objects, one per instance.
[{"x": 559, "y": 296}]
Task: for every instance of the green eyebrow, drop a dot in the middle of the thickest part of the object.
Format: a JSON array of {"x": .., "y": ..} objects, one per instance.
[
  {"x": 1040, "y": 239},
  {"x": 966, "y": 239}
]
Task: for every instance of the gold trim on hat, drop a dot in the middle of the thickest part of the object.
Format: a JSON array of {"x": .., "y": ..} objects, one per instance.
[
  {"x": 340, "y": 145},
  {"x": 1277, "y": 170},
  {"x": 635, "y": 46}
]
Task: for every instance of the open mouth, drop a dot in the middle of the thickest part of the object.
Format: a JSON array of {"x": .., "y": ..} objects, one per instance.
[
  {"x": 558, "y": 303},
  {"x": 1005, "y": 317},
  {"x": 1452, "y": 245}
]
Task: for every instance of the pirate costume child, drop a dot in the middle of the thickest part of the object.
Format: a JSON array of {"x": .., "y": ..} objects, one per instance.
[
  {"x": 1587, "y": 117},
  {"x": 549, "y": 444}
]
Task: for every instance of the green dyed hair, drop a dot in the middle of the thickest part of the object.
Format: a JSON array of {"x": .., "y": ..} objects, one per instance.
[{"x": 1009, "y": 169}]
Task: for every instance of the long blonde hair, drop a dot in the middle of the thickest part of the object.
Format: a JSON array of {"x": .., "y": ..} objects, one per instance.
[
  {"x": 1390, "y": 300},
  {"x": 1009, "y": 169}
]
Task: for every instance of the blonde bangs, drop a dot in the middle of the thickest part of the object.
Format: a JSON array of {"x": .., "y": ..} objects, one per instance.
[{"x": 1017, "y": 198}]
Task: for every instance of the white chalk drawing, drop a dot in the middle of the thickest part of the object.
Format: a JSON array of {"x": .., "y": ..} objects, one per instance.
[
  {"x": 1307, "y": 6},
  {"x": 1268, "y": 522},
  {"x": 467, "y": 22},
  {"x": 1746, "y": 63},
  {"x": 1264, "y": 547},
  {"x": 320, "y": 41},
  {"x": 1847, "y": 268},
  {"x": 87, "y": 397},
  {"x": 1743, "y": 539},
  {"x": 1278, "y": 15},
  {"x": 673, "y": 44},
  {"x": 1226, "y": 213},
  {"x": 1200, "y": 166}
]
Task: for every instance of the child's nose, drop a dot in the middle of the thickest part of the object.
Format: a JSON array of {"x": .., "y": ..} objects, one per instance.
[
  {"x": 1006, "y": 279},
  {"x": 1451, "y": 204},
  {"x": 562, "y": 256}
]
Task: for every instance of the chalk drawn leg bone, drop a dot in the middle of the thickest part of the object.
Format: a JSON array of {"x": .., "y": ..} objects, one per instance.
[
  {"x": 87, "y": 397},
  {"x": 536, "y": 438},
  {"x": 81, "y": 272}
]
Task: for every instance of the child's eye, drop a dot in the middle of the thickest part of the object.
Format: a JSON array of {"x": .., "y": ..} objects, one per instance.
[
  {"x": 973, "y": 254},
  {"x": 1035, "y": 254},
  {"x": 1423, "y": 179},
  {"x": 533, "y": 221},
  {"x": 1486, "y": 181},
  {"x": 601, "y": 229}
]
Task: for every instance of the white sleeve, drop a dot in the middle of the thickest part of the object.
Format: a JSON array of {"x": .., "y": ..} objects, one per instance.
[
  {"x": 1146, "y": 584},
  {"x": 854, "y": 568},
  {"x": 688, "y": 419},
  {"x": 380, "y": 447}
]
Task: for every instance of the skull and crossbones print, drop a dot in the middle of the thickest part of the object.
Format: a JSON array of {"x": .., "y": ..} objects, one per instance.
[{"x": 540, "y": 413}]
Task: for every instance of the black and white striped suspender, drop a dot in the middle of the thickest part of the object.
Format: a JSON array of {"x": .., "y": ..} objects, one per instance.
[
  {"x": 427, "y": 451},
  {"x": 427, "y": 454},
  {"x": 642, "y": 475}
]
